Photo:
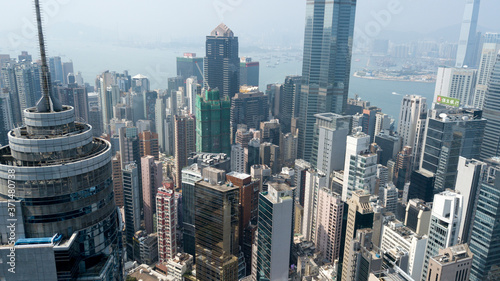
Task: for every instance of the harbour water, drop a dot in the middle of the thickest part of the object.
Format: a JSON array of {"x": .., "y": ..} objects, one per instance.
[{"x": 159, "y": 64}]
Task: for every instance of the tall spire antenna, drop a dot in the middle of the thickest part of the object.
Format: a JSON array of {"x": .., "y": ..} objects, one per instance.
[{"x": 47, "y": 103}]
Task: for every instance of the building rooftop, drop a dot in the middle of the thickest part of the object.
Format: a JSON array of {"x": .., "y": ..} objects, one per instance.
[
  {"x": 222, "y": 30},
  {"x": 221, "y": 187},
  {"x": 240, "y": 176},
  {"x": 453, "y": 254},
  {"x": 146, "y": 273}
]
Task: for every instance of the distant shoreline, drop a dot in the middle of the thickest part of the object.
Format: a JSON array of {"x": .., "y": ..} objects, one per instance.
[{"x": 393, "y": 79}]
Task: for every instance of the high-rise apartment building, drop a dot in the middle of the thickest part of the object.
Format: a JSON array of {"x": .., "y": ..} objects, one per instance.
[
  {"x": 152, "y": 178},
  {"x": 118, "y": 180},
  {"x": 160, "y": 118},
  {"x": 185, "y": 143},
  {"x": 166, "y": 224},
  {"x": 301, "y": 168},
  {"x": 193, "y": 88},
  {"x": 413, "y": 108},
  {"x": 330, "y": 212},
  {"x": 359, "y": 216},
  {"x": 360, "y": 168},
  {"x": 314, "y": 181},
  {"x": 213, "y": 131},
  {"x": 221, "y": 63},
  {"x": 491, "y": 144},
  {"x": 326, "y": 66},
  {"x": 445, "y": 223},
  {"x": 237, "y": 158},
  {"x": 330, "y": 135},
  {"x": 148, "y": 144},
  {"x": 488, "y": 58},
  {"x": 132, "y": 206},
  {"x": 217, "y": 221},
  {"x": 274, "y": 232},
  {"x": 129, "y": 146}
]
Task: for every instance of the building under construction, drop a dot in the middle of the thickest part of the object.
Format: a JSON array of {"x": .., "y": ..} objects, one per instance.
[{"x": 213, "y": 115}]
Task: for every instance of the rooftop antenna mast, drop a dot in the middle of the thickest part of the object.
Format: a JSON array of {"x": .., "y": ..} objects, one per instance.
[{"x": 47, "y": 103}]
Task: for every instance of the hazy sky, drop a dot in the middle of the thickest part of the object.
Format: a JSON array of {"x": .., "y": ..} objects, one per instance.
[{"x": 251, "y": 20}]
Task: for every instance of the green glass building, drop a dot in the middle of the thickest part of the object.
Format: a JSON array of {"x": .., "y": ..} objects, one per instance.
[{"x": 213, "y": 128}]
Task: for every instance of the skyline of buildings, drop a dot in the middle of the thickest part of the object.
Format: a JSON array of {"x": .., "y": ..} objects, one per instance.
[{"x": 212, "y": 179}]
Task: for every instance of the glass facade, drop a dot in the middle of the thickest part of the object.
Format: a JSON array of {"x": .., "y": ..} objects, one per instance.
[
  {"x": 217, "y": 227},
  {"x": 491, "y": 144},
  {"x": 326, "y": 64},
  {"x": 485, "y": 241},
  {"x": 265, "y": 226},
  {"x": 447, "y": 140},
  {"x": 221, "y": 63}
]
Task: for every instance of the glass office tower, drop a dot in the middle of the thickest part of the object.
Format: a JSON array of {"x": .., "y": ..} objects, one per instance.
[{"x": 326, "y": 66}]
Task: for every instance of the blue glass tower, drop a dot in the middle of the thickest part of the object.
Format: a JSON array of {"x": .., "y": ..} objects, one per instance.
[{"x": 326, "y": 66}]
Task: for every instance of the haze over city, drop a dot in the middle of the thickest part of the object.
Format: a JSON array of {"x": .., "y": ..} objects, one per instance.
[{"x": 239, "y": 140}]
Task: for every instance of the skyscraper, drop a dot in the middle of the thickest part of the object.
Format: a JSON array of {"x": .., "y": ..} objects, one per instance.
[
  {"x": 330, "y": 135},
  {"x": 326, "y": 66},
  {"x": 166, "y": 224},
  {"x": 274, "y": 232},
  {"x": 360, "y": 165},
  {"x": 217, "y": 222},
  {"x": 249, "y": 201},
  {"x": 457, "y": 84},
  {"x": 248, "y": 108},
  {"x": 445, "y": 223},
  {"x": 270, "y": 156},
  {"x": 330, "y": 212},
  {"x": 213, "y": 122},
  {"x": 189, "y": 65},
  {"x": 249, "y": 72},
  {"x": 484, "y": 242},
  {"x": 132, "y": 206},
  {"x": 359, "y": 216},
  {"x": 468, "y": 181},
  {"x": 451, "y": 133},
  {"x": 491, "y": 144},
  {"x": 63, "y": 180},
  {"x": 221, "y": 63},
  {"x": 412, "y": 109},
  {"x": 185, "y": 136},
  {"x": 289, "y": 102},
  {"x": 148, "y": 144},
  {"x": 152, "y": 178},
  {"x": 488, "y": 58},
  {"x": 466, "y": 45},
  {"x": 6, "y": 122}
]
